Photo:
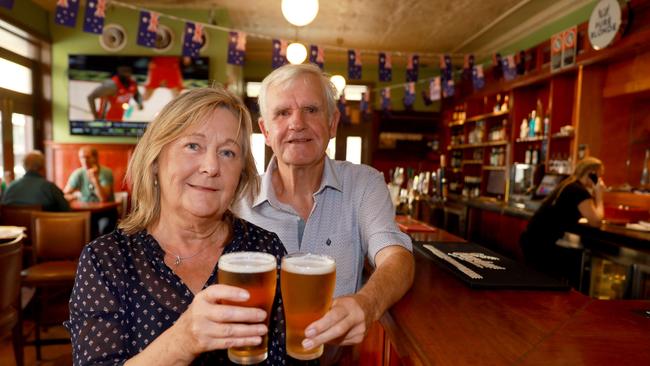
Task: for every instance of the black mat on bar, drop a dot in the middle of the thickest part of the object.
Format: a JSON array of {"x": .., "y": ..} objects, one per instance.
[{"x": 516, "y": 276}]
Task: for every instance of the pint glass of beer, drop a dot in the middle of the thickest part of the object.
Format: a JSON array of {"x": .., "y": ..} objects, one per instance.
[
  {"x": 255, "y": 272},
  {"x": 307, "y": 283}
]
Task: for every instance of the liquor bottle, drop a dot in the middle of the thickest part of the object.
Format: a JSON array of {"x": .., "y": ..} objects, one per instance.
[
  {"x": 527, "y": 157},
  {"x": 504, "y": 106},
  {"x": 497, "y": 105},
  {"x": 531, "y": 124},
  {"x": 442, "y": 180},
  {"x": 524, "y": 129},
  {"x": 645, "y": 176},
  {"x": 535, "y": 157}
]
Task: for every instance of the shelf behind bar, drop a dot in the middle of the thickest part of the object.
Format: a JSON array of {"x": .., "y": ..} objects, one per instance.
[
  {"x": 471, "y": 162},
  {"x": 493, "y": 167},
  {"x": 486, "y": 116},
  {"x": 531, "y": 139},
  {"x": 482, "y": 144}
]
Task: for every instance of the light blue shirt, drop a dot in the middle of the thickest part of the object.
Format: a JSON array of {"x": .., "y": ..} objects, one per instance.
[{"x": 353, "y": 217}]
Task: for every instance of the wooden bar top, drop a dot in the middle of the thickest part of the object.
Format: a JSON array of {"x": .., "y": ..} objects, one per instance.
[{"x": 441, "y": 321}]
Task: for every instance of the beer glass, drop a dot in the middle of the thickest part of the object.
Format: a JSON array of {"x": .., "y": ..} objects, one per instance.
[
  {"x": 255, "y": 272},
  {"x": 307, "y": 285}
]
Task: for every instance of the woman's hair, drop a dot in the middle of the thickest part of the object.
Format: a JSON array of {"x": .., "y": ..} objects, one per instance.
[
  {"x": 583, "y": 167},
  {"x": 183, "y": 112},
  {"x": 283, "y": 76}
]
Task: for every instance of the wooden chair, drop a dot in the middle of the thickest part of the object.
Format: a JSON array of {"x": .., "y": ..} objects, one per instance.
[
  {"x": 10, "y": 310},
  {"x": 58, "y": 238},
  {"x": 15, "y": 215}
]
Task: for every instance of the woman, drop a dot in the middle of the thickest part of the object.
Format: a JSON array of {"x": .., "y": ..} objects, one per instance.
[
  {"x": 580, "y": 195},
  {"x": 145, "y": 294}
]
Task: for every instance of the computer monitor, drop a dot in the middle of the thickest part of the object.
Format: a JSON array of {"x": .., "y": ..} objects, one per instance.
[{"x": 548, "y": 184}]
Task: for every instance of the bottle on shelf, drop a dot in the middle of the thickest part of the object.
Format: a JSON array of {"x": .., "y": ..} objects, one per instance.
[
  {"x": 504, "y": 106},
  {"x": 534, "y": 159},
  {"x": 497, "y": 105},
  {"x": 645, "y": 176},
  {"x": 442, "y": 180},
  {"x": 531, "y": 124},
  {"x": 523, "y": 133},
  {"x": 527, "y": 156}
]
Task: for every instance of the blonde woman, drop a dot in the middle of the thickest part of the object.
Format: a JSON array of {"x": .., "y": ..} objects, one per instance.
[
  {"x": 146, "y": 294},
  {"x": 580, "y": 195}
]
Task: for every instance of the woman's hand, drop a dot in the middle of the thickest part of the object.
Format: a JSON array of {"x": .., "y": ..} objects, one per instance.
[{"x": 208, "y": 324}]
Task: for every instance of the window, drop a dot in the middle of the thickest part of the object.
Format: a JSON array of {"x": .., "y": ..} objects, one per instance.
[
  {"x": 353, "y": 92},
  {"x": 258, "y": 146},
  {"x": 331, "y": 148},
  {"x": 353, "y": 149},
  {"x": 253, "y": 89},
  {"x": 23, "y": 130},
  {"x": 15, "y": 77}
]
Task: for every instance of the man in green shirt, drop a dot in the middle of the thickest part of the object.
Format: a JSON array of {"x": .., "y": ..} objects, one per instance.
[
  {"x": 33, "y": 188},
  {"x": 93, "y": 181}
]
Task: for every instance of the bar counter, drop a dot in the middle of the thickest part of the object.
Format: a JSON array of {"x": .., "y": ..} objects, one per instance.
[{"x": 441, "y": 321}]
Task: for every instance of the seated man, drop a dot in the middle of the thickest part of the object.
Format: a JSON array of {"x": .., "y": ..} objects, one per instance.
[
  {"x": 33, "y": 188},
  {"x": 93, "y": 183}
]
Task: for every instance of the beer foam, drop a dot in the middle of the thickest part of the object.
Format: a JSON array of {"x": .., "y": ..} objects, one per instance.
[
  {"x": 309, "y": 264},
  {"x": 247, "y": 262}
]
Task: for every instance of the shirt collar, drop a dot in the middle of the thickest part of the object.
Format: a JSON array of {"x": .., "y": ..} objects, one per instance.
[{"x": 330, "y": 179}]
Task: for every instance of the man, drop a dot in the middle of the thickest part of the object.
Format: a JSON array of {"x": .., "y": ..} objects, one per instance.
[
  {"x": 93, "y": 181},
  {"x": 33, "y": 188},
  {"x": 114, "y": 93},
  {"x": 319, "y": 205}
]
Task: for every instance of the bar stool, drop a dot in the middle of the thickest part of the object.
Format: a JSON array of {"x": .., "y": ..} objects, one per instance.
[
  {"x": 10, "y": 311},
  {"x": 58, "y": 238}
]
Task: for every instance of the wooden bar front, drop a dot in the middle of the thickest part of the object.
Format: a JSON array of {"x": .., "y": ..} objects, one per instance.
[{"x": 441, "y": 321}]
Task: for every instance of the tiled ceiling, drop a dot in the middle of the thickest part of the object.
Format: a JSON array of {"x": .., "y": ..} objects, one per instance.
[{"x": 425, "y": 26}]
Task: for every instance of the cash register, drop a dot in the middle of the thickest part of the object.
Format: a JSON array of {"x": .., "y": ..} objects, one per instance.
[{"x": 529, "y": 185}]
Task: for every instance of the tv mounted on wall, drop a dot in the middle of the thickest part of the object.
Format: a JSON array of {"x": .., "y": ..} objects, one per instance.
[{"x": 126, "y": 92}]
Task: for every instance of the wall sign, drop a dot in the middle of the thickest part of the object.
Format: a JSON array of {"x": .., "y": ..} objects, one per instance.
[{"x": 605, "y": 23}]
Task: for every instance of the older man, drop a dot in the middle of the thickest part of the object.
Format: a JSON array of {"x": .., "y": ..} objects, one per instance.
[
  {"x": 319, "y": 205},
  {"x": 33, "y": 188}
]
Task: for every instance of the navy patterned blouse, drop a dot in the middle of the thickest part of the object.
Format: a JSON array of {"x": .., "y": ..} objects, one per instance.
[{"x": 125, "y": 296}]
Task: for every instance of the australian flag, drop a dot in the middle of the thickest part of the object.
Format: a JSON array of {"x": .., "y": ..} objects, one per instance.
[
  {"x": 193, "y": 40},
  {"x": 412, "y": 68},
  {"x": 66, "y": 12},
  {"x": 94, "y": 16},
  {"x": 7, "y": 3},
  {"x": 364, "y": 103},
  {"x": 409, "y": 95},
  {"x": 317, "y": 56},
  {"x": 478, "y": 78},
  {"x": 354, "y": 65},
  {"x": 497, "y": 68},
  {"x": 509, "y": 67},
  {"x": 434, "y": 89},
  {"x": 385, "y": 67},
  {"x": 148, "y": 29},
  {"x": 385, "y": 99},
  {"x": 446, "y": 76},
  {"x": 279, "y": 53},
  {"x": 237, "y": 48}
]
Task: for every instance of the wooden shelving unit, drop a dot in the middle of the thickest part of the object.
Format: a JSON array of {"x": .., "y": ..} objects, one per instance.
[{"x": 483, "y": 144}]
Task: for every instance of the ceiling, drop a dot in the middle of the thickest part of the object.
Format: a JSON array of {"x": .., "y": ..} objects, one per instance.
[{"x": 422, "y": 26}]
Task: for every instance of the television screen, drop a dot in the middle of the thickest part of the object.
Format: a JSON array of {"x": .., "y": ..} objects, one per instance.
[
  {"x": 119, "y": 95},
  {"x": 548, "y": 184}
]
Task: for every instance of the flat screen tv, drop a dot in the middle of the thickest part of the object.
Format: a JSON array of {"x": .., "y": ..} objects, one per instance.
[{"x": 120, "y": 95}]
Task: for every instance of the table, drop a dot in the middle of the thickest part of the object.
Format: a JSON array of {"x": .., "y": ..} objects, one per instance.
[{"x": 93, "y": 207}]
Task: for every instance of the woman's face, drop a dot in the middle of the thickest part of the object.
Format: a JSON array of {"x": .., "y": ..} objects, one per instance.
[{"x": 198, "y": 173}]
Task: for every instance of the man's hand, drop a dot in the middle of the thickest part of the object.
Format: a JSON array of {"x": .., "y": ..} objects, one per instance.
[{"x": 346, "y": 323}]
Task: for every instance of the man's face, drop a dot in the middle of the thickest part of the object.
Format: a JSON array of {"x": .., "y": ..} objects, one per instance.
[
  {"x": 296, "y": 125},
  {"x": 86, "y": 158}
]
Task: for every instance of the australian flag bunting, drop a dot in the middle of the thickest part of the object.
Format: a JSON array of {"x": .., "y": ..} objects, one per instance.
[
  {"x": 364, "y": 103},
  {"x": 478, "y": 78},
  {"x": 409, "y": 95},
  {"x": 434, "y": 89},
  {"x": 148, "y": 29},
  {"x": 385, "y": 67},
  {"x": 446, "y": 76},
  {"x": 66, "y": 12},
  {"x": 94, "y": 16},
  {"x": 412, "y": 68},
  {"x": 509, "y": 67},
  {"x": 354, "y": 65},
  {"x": 237, "y": 48},
  {"x": 7, "y": 4},
  {"x": 385, "y": 99},
  {"x": 497, "y": 68},
  {"x": 317, "y": 56},
  {"x": 193, "y": 40},
  {"x": 279, "y": 53}
]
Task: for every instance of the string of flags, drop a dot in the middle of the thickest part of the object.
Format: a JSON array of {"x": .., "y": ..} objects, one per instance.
[{"x": 438, "y": 87}]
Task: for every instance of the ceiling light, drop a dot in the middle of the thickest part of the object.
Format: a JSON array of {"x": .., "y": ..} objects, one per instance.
[
  {"x": 296, "y": 53},
  {"x": 339, "y": 83},
  {"x": 299, "y": 12}
]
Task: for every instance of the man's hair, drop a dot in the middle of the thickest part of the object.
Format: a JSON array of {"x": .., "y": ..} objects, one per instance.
[
  {"x": 283, "y": 76},
  {"x": 34, "y": 161},
  {"x": 183, "y": 112},
  {"x": 93, "y": 151}
]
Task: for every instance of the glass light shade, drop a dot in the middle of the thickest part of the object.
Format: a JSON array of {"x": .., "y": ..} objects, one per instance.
[
  {"x": 299, "y": 12},
  {"x": 339, "y": 83},
  {"x": 296, "y": 53}
]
